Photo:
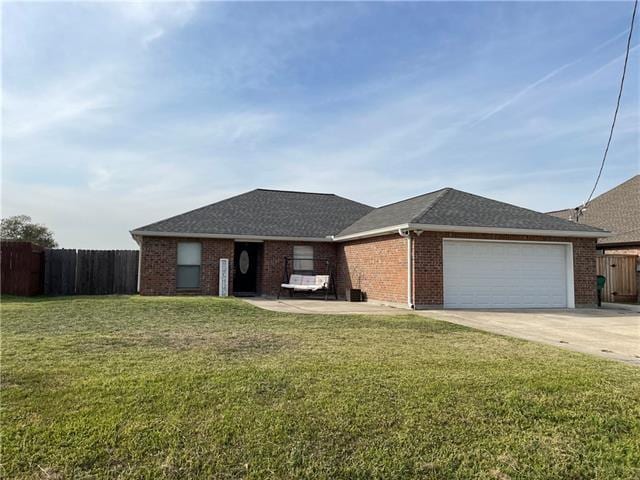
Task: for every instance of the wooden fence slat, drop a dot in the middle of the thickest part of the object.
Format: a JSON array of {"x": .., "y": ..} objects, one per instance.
[
  {"x": 620, "y": 272},
  {"x": 28, "y": 269},
  {"x": 22, "y": 268},
  {"x": 91, "y": 272}
]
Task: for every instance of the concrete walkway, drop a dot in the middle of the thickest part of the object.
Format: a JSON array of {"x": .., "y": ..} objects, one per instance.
[
  {"x": 318, "y": 307},
  {"x": 632, "y": 307},
  {"x": 608, "y": 332}
]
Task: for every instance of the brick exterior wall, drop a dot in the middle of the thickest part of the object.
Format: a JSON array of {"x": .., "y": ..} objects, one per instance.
[
  {"x": 378, "y": 266},
  {"x": 159, "y": 255},
  {"x": 274, "y": 252},
  {"x": 428, "y": 269},
  {"x": 159, "y": 259}
]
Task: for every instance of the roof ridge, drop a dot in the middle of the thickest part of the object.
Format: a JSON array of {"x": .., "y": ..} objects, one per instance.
[
  {"x": 411, "y": 198},
  {"x": 559, "y": 210},
  {"x": 295, "y": 191},
  {"x": 443, "y": 193},
  {"x": 516, "y": 206}
]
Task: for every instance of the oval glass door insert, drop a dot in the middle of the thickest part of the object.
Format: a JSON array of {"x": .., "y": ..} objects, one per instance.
[{"x": 244, "y": 262}]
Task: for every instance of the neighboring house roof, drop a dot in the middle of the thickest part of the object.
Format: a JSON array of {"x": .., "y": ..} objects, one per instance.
[
  {"x": 617, "y": 210},
  {"x": 451, "y": 207},
  {"x": 268, "y": 213},
  {"x": 319, "y": 216}
]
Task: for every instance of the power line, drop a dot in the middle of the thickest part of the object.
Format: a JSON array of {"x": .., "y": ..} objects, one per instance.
[{"x": 615, "y": 114}]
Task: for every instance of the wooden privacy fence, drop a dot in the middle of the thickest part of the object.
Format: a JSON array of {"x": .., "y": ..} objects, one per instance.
[
  {"x": 60, "y": 272},
  {"x": 28, "y": 269},
  {"x": 620, "y": 272},
  {"x": 90, "y": 272},
  {"x": 21, "y": 268}
]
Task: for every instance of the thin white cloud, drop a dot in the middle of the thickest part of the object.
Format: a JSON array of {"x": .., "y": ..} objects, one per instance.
[
  {"x": 513, "y": 99},
  {"x": 69, "y": 101},
  {"x": 521, "y": 93},
  {"x": 148, "y": 39},
  {"x": 617, "y": 60},
  {"x": 157, "y": 12}
]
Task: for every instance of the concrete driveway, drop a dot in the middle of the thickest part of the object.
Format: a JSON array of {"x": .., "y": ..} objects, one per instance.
[
  {"x": 611, "y": 332},
  {"x": 608, "y": 332}
]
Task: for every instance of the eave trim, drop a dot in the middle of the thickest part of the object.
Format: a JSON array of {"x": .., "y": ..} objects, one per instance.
[
  {"x": 468, "y": 229},
  {"x": 145, "y": 233}
]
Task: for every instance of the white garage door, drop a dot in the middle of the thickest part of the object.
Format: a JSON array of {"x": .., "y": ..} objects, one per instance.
[{"x": 504, "y": 275}]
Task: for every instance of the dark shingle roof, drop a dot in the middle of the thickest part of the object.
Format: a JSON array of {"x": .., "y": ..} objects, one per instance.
[
  {"x": 268, "y": 213},
  {"x": 395, "y": 213},
  {"x": 617, "y": 210},
  {"x": 455, "y": 208}
]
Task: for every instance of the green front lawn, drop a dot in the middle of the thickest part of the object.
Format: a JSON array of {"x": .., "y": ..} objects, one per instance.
[{"x": 130, "y": 387}]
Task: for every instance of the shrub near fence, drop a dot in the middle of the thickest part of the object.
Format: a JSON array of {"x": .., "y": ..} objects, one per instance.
[{"x": 90, "y": 272}]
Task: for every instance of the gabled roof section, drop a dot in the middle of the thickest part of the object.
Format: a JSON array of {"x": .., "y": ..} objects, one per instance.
[
  {"x": 451, "y": 207},
  {"x": 397, "y": 213},
  {"x": 266, "y": 213},
  {"x": 617, "y": 210}
]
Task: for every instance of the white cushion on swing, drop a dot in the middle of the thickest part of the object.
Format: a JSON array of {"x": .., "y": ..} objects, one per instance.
[{"x": 307, "y": 283}]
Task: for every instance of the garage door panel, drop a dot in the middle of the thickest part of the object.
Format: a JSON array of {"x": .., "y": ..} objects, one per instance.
[{"x": 504, "y": 275}]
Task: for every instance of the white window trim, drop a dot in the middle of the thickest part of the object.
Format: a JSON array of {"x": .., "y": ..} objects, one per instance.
[{"x": 199, "y": 265}]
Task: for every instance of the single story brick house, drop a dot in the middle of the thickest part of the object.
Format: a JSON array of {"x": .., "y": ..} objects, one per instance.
[{"x": 444, "y": 249}]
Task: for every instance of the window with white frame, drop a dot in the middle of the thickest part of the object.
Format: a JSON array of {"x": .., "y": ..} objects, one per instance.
[
  {"x": 303, "y": 259},
  {"x": 189, "y": 260}
]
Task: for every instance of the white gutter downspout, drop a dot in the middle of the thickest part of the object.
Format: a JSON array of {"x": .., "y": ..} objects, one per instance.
[{"x": 407, "y": 234}]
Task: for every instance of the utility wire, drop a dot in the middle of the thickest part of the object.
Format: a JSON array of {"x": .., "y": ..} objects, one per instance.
[{"x": 615, "y": 114}]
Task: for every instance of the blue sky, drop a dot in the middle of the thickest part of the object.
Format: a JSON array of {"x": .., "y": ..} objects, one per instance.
[{"x": 119, "y": 114}]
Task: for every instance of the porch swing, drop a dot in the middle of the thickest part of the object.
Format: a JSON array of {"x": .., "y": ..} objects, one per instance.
[{"x": 308, "y": 282}]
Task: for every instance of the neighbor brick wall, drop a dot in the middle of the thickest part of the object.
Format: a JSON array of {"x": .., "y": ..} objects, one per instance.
[
  {"x": 378, "y": 266},
  {"x": 428, "y": 270},
  {"x": 158, "y": 264},
  {"x": 273, "y": 254}
]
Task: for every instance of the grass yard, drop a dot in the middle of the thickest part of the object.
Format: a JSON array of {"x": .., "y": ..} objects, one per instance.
[{"x": 131, "y": 387}]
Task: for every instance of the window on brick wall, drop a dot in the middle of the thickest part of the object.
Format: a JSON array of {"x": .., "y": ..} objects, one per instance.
[
  {"x": 189, "y": 261},
  {"x": 303, "y": 259}
]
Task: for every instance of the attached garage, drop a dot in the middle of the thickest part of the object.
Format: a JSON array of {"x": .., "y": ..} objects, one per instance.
[{"x": 507, "y": 274}]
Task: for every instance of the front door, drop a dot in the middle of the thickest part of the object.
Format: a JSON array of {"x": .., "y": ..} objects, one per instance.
[{"x": 245, "y": 268}]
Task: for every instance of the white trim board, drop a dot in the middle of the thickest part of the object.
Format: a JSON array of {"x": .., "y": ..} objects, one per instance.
[
  {"x": 237, "y": 238},
  {"x": 465, "y": 229},
  {"x": 384, "y": 231}
]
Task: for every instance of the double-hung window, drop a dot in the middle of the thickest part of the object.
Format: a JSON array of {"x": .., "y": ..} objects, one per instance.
[
  {"x": 303, "y": 259},
  {"x": 189, "y": 260}
]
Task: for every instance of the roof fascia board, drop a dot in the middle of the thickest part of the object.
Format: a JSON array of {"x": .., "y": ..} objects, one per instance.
[
  {"x": 384, "y": 231},
  {"x": 372, "y": 233},
  {"x": 135, "y": 233},
  {"x": 456, "y": 228},
  {"x": 509, "y": 231},
  {"x": 619, "y": 244}
]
